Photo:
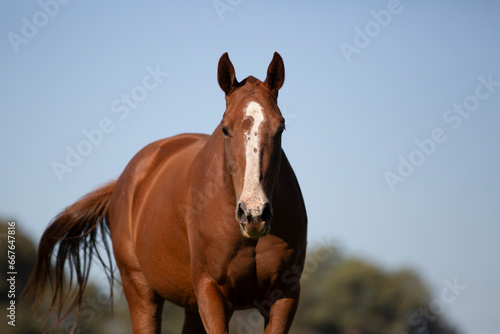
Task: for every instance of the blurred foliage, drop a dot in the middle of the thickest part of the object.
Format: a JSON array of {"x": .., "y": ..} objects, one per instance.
[
  {"x": 338, "y": 296},
  {"x": 24, "y": 261},
  {"x": 352, "y": 296}
]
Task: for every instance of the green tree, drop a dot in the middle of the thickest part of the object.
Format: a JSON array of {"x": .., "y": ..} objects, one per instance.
[
  {"x": 24, "y": 256},
  {"x": 351, "y": 296}
]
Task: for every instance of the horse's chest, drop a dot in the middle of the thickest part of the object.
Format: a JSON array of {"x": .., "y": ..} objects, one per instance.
[{"x": 251, "y": 275}]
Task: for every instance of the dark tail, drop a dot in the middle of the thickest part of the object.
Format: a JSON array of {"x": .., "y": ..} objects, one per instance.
[{"x": 75, "y": 231}]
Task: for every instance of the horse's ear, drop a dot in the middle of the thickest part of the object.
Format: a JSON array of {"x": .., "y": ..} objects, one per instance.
[
  {"x": 275, "y": 74},
  {"x": 225, "y": 74}
]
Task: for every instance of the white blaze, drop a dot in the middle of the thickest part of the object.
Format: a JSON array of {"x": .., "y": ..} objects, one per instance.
[{"x": 252, "y": 193}]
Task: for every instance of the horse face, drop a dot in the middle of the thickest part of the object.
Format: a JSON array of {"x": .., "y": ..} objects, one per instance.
[{"x": 252, "y": 126}]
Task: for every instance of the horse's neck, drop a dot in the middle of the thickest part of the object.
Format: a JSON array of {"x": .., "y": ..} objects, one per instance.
[{"x": 210, "y": 172}]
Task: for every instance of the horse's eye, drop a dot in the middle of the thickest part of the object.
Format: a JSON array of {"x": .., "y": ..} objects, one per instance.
[
  {"x": 281, "y": 129},
  {"x": 225, "y": 131}
]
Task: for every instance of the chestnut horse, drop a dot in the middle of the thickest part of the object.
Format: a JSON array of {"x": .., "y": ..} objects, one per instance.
[{"x": 211, "y": 223}]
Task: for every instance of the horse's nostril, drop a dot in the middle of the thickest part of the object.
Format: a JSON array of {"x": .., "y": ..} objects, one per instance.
[
  {"x": 267, "y": 212},
  {"x": 241, "y": 212},
  {"x": 244, "y": 215}
]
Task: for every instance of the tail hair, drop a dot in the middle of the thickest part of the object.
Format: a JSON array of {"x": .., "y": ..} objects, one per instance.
[{"x": 75, "y": 232}]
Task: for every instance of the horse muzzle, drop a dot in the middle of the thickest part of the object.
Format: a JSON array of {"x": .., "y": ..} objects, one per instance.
[{"x": 255, "y": 221}]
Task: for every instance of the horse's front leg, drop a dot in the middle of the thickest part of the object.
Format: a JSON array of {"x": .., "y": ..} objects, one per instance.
[
  {"x": 280, "y": 316},
  {"x": 215, "y": 312}
]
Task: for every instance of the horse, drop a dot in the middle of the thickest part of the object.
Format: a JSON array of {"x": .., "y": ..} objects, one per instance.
[{"x": 212, "y": 223}]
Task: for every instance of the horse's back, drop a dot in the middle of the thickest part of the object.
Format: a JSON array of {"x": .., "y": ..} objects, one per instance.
[
  {"x": 160, "y": 158},
  {"x": 163, "y": 151}
]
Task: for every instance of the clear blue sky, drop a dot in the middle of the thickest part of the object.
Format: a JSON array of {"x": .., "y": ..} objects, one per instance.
[{"x": 413, "y": 97}]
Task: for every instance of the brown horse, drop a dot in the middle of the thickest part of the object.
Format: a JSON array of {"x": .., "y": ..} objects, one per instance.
[{"x": 211, "y": 223}]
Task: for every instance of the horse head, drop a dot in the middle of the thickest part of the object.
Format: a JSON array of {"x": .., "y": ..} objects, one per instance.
[{"x": 252, "y": 126}]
